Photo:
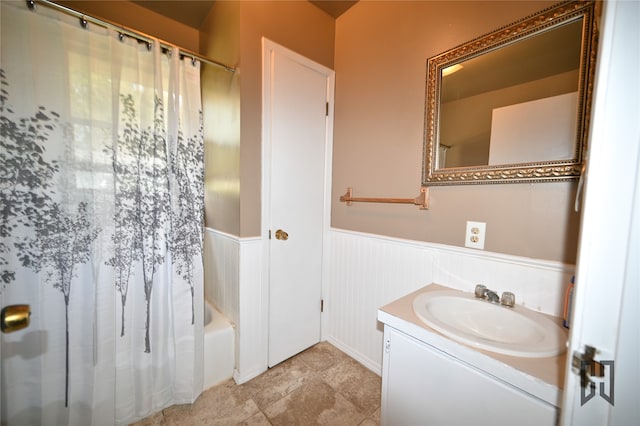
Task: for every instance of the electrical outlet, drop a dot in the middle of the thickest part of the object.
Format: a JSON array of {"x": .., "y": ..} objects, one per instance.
[{"x": 475, "y": 235}]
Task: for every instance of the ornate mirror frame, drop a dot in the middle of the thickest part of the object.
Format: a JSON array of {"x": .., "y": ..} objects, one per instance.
[{"x": 541, "y": 171}]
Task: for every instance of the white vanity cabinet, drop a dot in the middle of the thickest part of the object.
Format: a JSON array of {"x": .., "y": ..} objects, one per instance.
[
  {"x": 422, "y": 385},
  {"x": 430, "y": 379}
]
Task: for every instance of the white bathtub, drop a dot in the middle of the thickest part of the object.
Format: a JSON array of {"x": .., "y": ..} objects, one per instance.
[{"x": 219, "y": 347}]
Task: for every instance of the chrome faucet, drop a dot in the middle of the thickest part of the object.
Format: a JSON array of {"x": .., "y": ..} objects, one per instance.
[
  {"x": 507, "y": 299},
  {"x": 482, "y": 292},
  {"x": 491, "y": 296}
]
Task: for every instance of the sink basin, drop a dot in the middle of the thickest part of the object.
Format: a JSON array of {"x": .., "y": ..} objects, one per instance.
[{"x": 484, "y": 325}]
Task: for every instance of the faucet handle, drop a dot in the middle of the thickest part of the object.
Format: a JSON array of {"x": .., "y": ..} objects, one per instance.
[
  {"x": 508, "y": 299},
  {"x": 480, "y": 291}
]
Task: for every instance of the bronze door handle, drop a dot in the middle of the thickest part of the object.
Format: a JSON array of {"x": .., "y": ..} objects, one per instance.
[
  {"x": 14, "y": 318},
  {"x": 281, "y": 235}
]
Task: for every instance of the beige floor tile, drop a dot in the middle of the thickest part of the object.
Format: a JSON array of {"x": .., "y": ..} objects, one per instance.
[
  {"x": 358, "y": 384},
  {"x": 258, "y": 419},
  {"x": 223, "y": 404},
  {"x": 213, "y": 415},
  {"x": 376, "y": 415},
  {"x": 320, "y": 386},
  {"x": 278, "y": 381},
  {"x": 373, "y": 420},
  {"x": 314, "y": 403},
  {"x": 227, "y": 393},
  {"x": 369, "y": 422},
  {"x": 322, "y": 356}
]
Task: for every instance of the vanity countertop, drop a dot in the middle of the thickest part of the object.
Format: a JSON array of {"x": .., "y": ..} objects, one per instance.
[{"x": 541, "y": 377}]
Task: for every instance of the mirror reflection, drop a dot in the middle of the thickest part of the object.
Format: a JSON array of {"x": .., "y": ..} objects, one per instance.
[
  {"x": 519, "y": 102},
  {"x": 513, "y": 105}
]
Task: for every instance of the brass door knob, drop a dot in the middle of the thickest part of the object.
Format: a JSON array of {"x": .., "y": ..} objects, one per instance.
[
  {"x": 14, "y": 318},
  {"x": 281, "y": 235}
]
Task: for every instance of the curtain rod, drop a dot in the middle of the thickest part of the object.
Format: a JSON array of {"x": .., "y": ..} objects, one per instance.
[{"x": 140, "y": 36}]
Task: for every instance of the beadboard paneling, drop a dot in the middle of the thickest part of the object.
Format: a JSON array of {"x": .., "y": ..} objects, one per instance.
[
  {"x": 365, "y": 272},
  {"x": 233, "y": 283},
  {"x": 252, "y": 333},
  {"x": 221, "y": 272}
]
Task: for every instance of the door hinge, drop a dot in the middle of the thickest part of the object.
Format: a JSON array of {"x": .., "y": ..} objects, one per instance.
[
  {"x": 269, "y": 233},
  {"x": 327, "y": 109},
  {"x": 321, "y": 305}
]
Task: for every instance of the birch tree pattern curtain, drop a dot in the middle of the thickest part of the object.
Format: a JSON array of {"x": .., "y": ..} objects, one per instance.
[{"x": 101, "y": 174}]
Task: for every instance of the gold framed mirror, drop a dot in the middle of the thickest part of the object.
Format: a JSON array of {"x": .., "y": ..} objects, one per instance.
[{"x": 513, "y": 105}]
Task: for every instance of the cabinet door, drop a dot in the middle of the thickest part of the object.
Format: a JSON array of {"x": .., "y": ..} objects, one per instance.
[{"x": 424, "y": 386}]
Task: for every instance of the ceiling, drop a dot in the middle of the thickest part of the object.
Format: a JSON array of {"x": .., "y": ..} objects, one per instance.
[
  {"x": 334, "y": 8},
  {"x": 193, "y": 12},
  {"x": 189, "y": 12}
]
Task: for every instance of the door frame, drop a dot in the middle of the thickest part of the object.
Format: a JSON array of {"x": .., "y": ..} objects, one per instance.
[
  {"x": 605, "y": 315},
  {"x": 268, "y": 49}
]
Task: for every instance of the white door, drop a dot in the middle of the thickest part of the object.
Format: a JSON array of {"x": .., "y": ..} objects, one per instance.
[
  {"x": 296, "y": 140},
  {"x": 608, "y": 270}
]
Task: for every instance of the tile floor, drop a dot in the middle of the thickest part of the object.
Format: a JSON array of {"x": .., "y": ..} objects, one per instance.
[{"x": 320, "y": 386}]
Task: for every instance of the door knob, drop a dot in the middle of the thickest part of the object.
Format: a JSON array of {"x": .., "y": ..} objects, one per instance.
[
  {"x": 281, "y": 235},
  {"x": 14, "y": 318}
]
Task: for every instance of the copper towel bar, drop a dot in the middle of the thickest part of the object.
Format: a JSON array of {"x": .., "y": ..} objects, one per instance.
[{"x": 421, "y": 200}]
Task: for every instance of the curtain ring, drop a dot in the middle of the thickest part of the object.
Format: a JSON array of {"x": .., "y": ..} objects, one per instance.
[
  {"x": 31, "y": 4},
  {"x": 149, "y": 45},
  {"x": 121, "y": 36},
  {"x": 193, "y": 61},
  {"x": 83, "y": 22}
]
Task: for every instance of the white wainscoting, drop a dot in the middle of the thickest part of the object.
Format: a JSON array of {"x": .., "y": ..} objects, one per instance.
[
  {"x": 233, "y": 283},
  {"x": 252, "y": 335},
  {"x": 221, "y": 272},
  {"x": 364, "y": 272}
]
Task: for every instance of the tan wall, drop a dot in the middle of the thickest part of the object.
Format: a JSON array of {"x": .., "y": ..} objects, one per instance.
[
  {"x": 140, "y": 19},
  {"x": 220, "y": 39},
  {"x": 380, "y": 62},
  {"x": 299, "y": 26}
]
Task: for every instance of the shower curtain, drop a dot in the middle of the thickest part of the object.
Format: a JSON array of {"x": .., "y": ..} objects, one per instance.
[{"x": 101, "y": 175}]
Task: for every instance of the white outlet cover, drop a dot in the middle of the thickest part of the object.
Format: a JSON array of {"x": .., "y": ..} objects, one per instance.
[{"x": 475, "y": 235}]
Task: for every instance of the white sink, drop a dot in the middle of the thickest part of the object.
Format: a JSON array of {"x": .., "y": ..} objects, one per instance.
[{"x": 490, "y": 326}]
